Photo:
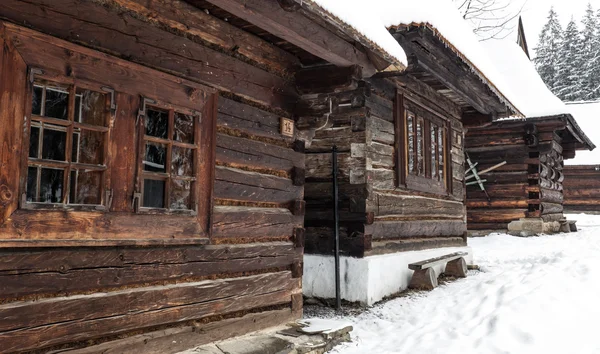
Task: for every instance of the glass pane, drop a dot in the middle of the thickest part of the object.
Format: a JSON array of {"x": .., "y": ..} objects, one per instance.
[
  {"x": 433, "y": 150},
  {"x": 77, "y": 117},
  {"x": 154, "y": 194},
  {"x": 92, "y": 107},
  {"x": 155, "y": 158},
  {"x": 420, "y": 162},
  {"x": 56, "y": 103},
  {"x": 411, "y": 143},
  {"x": 441, "y": 152},
  {"x": 85, "y": 187},
  {"x": 54, "y": 144},
  {"x": 34, "y": 142},
  {"x": 51, "y": 186},
  {"x": 90, "y": 147},
  {"x": 157, "y": 123},
  {"x": 181, "y": 192},
  {"x": 182, "y": 162},
  {"x": 183, "y": 128},
  {"x": 32, "y": 174},
  {"x": 36, "y": 102}
]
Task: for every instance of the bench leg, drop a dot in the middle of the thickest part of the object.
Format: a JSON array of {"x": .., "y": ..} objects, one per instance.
[
  {"x": 424, "y": 279},
  {"x": 572, "y": 227},
  {"x": 457, "y": 268}
]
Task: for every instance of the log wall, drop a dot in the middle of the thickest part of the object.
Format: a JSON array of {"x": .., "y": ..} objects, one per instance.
[
  {"x": 528, "y": 185},
  {"x": 92, "y": 281},
  {"x": 376, "y": 216},
  {"x": 582, "y": 188}
]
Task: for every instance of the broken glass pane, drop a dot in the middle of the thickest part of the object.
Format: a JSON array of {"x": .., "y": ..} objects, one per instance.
[
  {"x": 157, "y": 123},
  {"x": 180, "y": 194},
  {"x": 34, "y": 142},
  {"x": 51, "y": 186},
  {"x": 36, "y": 103},
  {"x": 32, "y": 173},
  {"x": 92, "y": 109},
  {"x": 77, "y": 117},
  {"x": 75, "y": 147},
  {"x": 154, "y": 194},
  {"x": 56, "y": 103},
  {"x": 85, "y": 187},
  {"x": 90, "y": 145},
  {"x": 183, "y": 128},
  {"x": 54, "y": 144},
  {"x": 182, "y": 162},
  {"x": 155, "y": 158}
]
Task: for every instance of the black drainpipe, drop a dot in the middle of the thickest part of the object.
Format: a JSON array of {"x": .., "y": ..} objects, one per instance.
[{"x": 336, "y": 220}]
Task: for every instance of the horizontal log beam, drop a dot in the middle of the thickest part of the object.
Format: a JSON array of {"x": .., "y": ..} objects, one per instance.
[{"x": 299, "y": 30}]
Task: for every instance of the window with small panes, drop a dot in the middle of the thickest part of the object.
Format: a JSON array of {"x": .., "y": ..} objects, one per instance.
[
  {"x": 68, "y": 137},
  {"x": 422, "y": 143},
  {"x": 169, "y": 159}
]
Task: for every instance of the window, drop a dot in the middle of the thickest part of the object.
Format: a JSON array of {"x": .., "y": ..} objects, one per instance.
[
  {"x": 67, "y": 145},
  {"x": 170, "y": 148},
  {"x": 422, "y": 145}
]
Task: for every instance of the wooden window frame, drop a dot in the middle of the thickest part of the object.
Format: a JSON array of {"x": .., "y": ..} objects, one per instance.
[
  {"x": 36, "y": 79},
  {"x": 167, "y": 176},
  {"x": 408, "y": 178}
]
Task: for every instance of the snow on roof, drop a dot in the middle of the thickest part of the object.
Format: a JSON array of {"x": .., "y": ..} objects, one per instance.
[
  {"x": 527, "y": 90},
  {"x": 372, "y": 18},
  {"x": 587, "y": 115}
]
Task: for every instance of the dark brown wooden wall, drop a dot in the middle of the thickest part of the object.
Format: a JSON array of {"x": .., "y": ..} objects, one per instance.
[
  {"x": 528, "y": 185},
  {"x": 132, "y": 281},
  {"x": 375, "y": 215},
  {"x": 582, "y": 188}
]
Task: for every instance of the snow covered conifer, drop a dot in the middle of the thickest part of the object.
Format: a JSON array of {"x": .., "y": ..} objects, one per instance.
[
  {"x": 570, "y": 71},
  {"x": 590, "y": 78},
  {"x": 548, "y": 50}
]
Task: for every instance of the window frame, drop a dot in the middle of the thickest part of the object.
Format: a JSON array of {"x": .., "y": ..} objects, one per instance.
[
  {"x": 141, "y": 174},
  {"x": 425, "y": 180},
  {"x": 37, "y": 79}
]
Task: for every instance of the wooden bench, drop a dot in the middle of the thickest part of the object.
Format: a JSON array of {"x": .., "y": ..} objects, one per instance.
[{"x": 424, "y": 276}]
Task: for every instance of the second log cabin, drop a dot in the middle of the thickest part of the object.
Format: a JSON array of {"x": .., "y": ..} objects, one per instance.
[
  {"x": 525, "y": 195},
  {"x": 400, "y": 143}
]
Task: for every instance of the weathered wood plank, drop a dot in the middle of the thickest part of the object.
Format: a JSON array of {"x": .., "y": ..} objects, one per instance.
[
  {"x": 255, "y": 155},
  {"x": 179, "y": 16},
  {"x": 237, "y": 185},
  {"x": 13, "y": 91},
  {"x": 128, "y": 310},
  {"x": 402, "y": 229},
  {"x": 414, "y": 206},
  {"x": 298, "y": 30},
  {"x": 413, "y": 244},
  {"x": 494, "y": 215},
  {"x": 244, "y": 222},
  {"x": 97, "y": 26},
  {"x": 175, "y": 340},
  {"x": 83, "y": 270}
]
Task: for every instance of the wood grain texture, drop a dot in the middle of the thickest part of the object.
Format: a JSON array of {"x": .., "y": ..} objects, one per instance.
[
  {"x": 13, "y": 89},
  {"x": 61, "y": 320}
]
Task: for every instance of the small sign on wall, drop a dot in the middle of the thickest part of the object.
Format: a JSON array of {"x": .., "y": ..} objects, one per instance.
[{"x": 286, "y": 127}]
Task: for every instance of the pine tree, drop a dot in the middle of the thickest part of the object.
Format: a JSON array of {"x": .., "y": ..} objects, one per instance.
[
  {"x": 570, "y": 71},
  {"x": 548, "y": 50},
  {"x": 590, "y": 49},
  {"x": 593, "y": 65}
]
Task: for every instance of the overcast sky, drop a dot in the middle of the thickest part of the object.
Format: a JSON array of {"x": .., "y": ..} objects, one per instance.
[{"x": 535, "y": 15}]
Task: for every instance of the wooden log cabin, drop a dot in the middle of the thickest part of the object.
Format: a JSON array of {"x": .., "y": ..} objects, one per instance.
[
  {"x": 525, "y": 195},
  {"x": 151, "y": 182},
  {"x": 399, "y": 137},
  {"x": 530, "y": 184},
  {"x": 582, "y": 174}
]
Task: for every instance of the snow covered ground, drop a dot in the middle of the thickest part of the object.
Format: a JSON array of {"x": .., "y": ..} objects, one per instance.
[{"x": 533, "y": 295}]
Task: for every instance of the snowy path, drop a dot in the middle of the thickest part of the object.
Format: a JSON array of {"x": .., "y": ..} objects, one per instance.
[{"x": 534, "y": 295}]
